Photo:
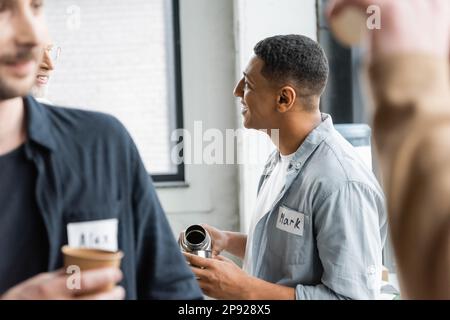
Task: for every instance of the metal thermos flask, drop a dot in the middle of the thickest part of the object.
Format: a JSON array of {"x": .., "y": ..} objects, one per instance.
[{"x": 196, "y": 240}]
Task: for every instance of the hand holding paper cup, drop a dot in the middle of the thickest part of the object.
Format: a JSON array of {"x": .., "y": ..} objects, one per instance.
[{"x": 89, "y": 259}]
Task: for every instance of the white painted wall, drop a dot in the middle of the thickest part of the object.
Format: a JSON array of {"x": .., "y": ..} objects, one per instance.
[{"x": 208, "y": 61}]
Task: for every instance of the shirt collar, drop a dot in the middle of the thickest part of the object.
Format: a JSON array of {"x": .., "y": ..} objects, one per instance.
[
  {"x": 38, "y": 124},
  {"x": 312, "y": 141}
]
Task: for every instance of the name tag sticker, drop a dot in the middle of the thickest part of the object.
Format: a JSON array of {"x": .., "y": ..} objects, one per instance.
[
  {"x": 99, "y": 234},
  {"x": 290, "y": 221}
]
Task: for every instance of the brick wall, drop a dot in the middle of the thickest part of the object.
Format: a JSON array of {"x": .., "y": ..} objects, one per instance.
[{"x": 114, "y": 60}]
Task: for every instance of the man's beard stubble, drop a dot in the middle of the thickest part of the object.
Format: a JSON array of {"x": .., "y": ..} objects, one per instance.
[
  {"x": 39, "y": 91},
  {"x": 24, "y": 54}
]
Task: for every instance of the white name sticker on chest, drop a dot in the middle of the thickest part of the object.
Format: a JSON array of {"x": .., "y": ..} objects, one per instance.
[
  {"x": 290, "y": 221},
  {"x": 99, "y": 234}
]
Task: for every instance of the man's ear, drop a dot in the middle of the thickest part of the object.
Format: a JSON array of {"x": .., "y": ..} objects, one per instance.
[{"x": 286, "y": 99}]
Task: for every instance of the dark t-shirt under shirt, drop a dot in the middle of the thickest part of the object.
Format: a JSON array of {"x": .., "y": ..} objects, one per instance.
[{"x": 24, "y": 244}]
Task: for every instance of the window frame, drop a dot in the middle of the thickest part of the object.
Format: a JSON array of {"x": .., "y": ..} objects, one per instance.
[{"x": 176, "y": 79}]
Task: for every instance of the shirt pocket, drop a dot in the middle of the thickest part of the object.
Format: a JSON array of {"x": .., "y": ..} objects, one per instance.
[
  {"x": 94, "y": 226},
  {"x": 289, "y": 236}
]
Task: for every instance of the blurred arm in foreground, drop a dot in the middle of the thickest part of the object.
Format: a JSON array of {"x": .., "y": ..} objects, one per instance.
[{"x": 408, "y": 67}]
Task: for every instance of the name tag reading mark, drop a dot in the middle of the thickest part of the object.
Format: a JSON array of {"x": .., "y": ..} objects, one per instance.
[
  {"x": 290, "y": 221},
  {"x": 99, "y": 234}
]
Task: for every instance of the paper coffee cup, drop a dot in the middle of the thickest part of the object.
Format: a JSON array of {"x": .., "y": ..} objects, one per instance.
[{"x": 89, "y": 259}]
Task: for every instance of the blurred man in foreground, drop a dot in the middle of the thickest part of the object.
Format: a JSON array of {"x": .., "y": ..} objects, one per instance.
[{"x": 61, "y": 167}]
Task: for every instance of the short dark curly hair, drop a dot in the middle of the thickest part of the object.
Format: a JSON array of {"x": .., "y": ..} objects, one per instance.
[{"x": 294, "y": 58}]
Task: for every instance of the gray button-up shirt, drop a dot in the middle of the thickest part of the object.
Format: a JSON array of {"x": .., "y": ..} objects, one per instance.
[{"x": 325, "y": 232}]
